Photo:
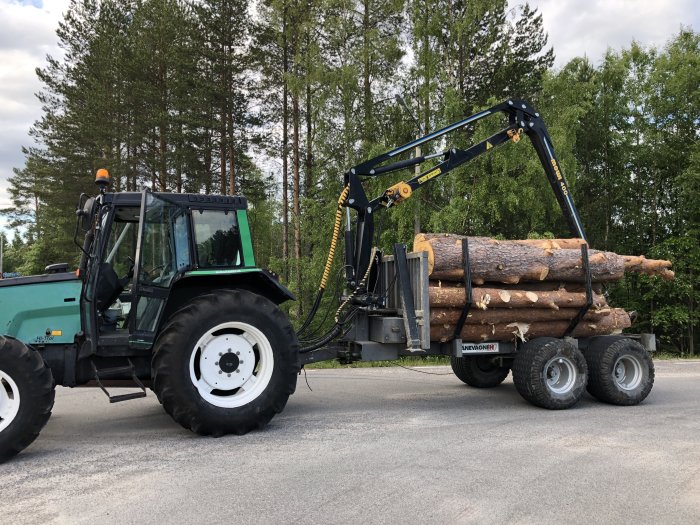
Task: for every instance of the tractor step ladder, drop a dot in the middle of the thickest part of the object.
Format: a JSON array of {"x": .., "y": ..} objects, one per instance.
[{"x": 105, "y": 373}]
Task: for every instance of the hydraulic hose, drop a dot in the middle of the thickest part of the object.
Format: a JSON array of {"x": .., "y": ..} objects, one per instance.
[
  {"x": 338, "y": 327},
  {"x": 329, "y": 261}
]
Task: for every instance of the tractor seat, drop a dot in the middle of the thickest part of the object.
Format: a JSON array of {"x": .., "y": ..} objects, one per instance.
[{"x": 109, "y": 287}]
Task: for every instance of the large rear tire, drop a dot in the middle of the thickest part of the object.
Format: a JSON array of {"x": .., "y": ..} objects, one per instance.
[
  {"x": 550, "y": 373},
  {"x": 621, "y": 371},
  {"x": 480, "y": 371},
  {"x": 226, "y": 363},
  {"x": 26, "y": 396}
]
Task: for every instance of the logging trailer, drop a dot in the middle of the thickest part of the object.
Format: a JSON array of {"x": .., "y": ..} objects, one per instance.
[{"x": 168, "y": 295}]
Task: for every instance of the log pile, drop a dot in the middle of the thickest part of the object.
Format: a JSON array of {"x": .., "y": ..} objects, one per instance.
[{"x": 524, "y": 288}]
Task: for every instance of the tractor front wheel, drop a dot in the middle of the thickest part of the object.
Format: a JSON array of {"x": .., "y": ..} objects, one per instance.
[
  {"x": 26, "y": 396},
  {"x": 226, "y": 363}
]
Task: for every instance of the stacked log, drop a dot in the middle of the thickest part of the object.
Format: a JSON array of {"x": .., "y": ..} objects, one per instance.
[{"x": 524, "y": 288}]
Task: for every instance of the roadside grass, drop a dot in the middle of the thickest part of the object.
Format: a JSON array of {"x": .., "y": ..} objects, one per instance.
[
  {"x": 667, "y": 356},
  {"x": 430, "y": 360}
]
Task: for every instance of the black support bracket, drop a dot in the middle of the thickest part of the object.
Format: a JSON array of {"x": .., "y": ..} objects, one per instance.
[
  {"x": 589, "y": 292},
  {"x": 467, "y": 287},
  {"x": 406, "y": 294}
]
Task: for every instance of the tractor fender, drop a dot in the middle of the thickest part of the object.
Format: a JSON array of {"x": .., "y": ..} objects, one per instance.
[{"x": 199, "y": 282}]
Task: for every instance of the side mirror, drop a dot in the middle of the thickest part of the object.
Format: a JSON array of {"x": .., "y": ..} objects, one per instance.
[{"x": 85, "y": 213}]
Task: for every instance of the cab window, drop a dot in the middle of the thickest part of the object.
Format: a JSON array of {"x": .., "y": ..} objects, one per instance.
[{"x": 217, "y": 238}]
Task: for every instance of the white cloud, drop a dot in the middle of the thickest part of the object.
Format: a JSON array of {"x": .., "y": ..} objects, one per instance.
[
  {"x": 27, "y": 35},
  {"x": 576, "y": 28}
]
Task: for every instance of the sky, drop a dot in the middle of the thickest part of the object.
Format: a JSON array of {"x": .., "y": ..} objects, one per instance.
[{"x": 575, "y": 28}]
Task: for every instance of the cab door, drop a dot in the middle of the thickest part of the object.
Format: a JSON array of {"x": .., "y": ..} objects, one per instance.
[{"x": 162, "y": 253}]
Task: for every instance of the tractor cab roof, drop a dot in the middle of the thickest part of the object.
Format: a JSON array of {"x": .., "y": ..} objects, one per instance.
[{"x": 236, "y": 202}]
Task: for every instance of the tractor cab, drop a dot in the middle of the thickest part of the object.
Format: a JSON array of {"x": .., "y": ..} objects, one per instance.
[{"x": 141, "y": 248}]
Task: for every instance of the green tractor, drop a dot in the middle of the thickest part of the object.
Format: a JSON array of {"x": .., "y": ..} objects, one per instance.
[{"x": 168, "y": 294}]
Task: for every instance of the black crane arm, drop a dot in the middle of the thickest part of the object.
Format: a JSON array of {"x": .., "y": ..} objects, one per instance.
[{"x": 522, "y": 118}]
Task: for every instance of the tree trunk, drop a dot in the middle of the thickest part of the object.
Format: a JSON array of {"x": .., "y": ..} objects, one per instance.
[
  {"x": 512, "y": 262},
  {"x": 483, "y": 298},
  {"x": 296, "y": 205},
  {"x": 541, "y": 286},
  {"x": 553, "y": 286},
  {"x": 231, "y": 155},
  {"x": 368, "y": 120},
  {"x": 162, "y": 166},
  {"x": 309, "y": 159},
  {"x": 285, "y": 146},
  {"x": 450, "y": 316},
  {"x": 222, "y": 155},
  {"x": 610, "y": 324}
]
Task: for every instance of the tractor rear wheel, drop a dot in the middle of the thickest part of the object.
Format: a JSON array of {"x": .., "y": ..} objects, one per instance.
[
  {"x": 480, "y": 371},
  {"x": 226, "y": 363},
  {"x": 26, "y": 396}
]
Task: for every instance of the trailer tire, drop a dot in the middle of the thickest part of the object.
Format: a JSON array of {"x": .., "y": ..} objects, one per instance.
[
  {"x": 621, "y": 371},
  {"x": 226, "y": 363},
  {"x": 479, "y": 371},
  {"x": 27, "y": 391},
  {"x": 550, "y": 373}
]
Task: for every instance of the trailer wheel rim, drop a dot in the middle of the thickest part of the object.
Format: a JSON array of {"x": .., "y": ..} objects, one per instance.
[
  {"x": 627, "y": 372},
  {"x": 231, "y": 364},
  {"x": 9, "y": 400},
  {"x": 560, "y": 375}
]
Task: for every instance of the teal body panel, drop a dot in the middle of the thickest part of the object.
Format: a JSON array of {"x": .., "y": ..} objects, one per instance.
[{"x": 41, "y": 313}]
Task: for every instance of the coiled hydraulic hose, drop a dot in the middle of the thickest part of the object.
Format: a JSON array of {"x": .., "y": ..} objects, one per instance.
[
  {"x": 339, "y": 323},
  {"x": 329, "y": 261}
]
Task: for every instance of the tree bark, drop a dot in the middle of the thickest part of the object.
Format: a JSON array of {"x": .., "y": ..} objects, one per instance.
[
  {"x": 222, "y": 155},
  {"x": 483, "y": 298},
  {"x": 542, "y": 286},
  {"x": 512, "y": 262},
  {"x": 231, "y": 154},
  {"x": 450, "y": 316},
  {"x": 610, "y": 324},
  {"x": 285, "y": 145},
  {"x": 309, "y": 159},
  {"x": 296, "y": 202}
]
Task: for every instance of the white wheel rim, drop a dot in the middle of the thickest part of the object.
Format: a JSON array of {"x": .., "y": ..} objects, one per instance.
[
  {"x": 9, "y": 400},
  {"x": 231, "y": 364},
  {"x": 560, "y": 374}
]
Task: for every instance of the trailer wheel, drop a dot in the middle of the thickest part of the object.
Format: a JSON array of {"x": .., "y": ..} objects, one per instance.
[
  {"x": 550, "y": 373},
  {"x": 226, "y": 363},
  {"x": 26, "y": 396},
  {"x": 480, "y": 371},
  {"x": 621, "y": 371}
]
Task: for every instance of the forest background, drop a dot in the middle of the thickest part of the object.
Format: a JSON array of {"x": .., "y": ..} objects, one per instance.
[{"x": 276, "y": 99}]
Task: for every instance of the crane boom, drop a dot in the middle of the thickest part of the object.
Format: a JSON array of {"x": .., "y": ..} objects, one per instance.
[{"x": 522, "y": 118}]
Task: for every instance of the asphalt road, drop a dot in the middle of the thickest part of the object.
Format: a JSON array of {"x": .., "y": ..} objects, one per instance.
[{"x": 381, "y": 445}]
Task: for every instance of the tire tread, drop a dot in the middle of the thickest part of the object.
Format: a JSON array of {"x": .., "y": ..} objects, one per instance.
[
  {"x": 36, "y": 376},
  {"x": 188, "y": 412},
  {"x": 601, "y": 357}
]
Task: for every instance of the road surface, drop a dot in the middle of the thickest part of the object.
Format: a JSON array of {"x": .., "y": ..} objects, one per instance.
[{"x": 371, "y": 445}]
